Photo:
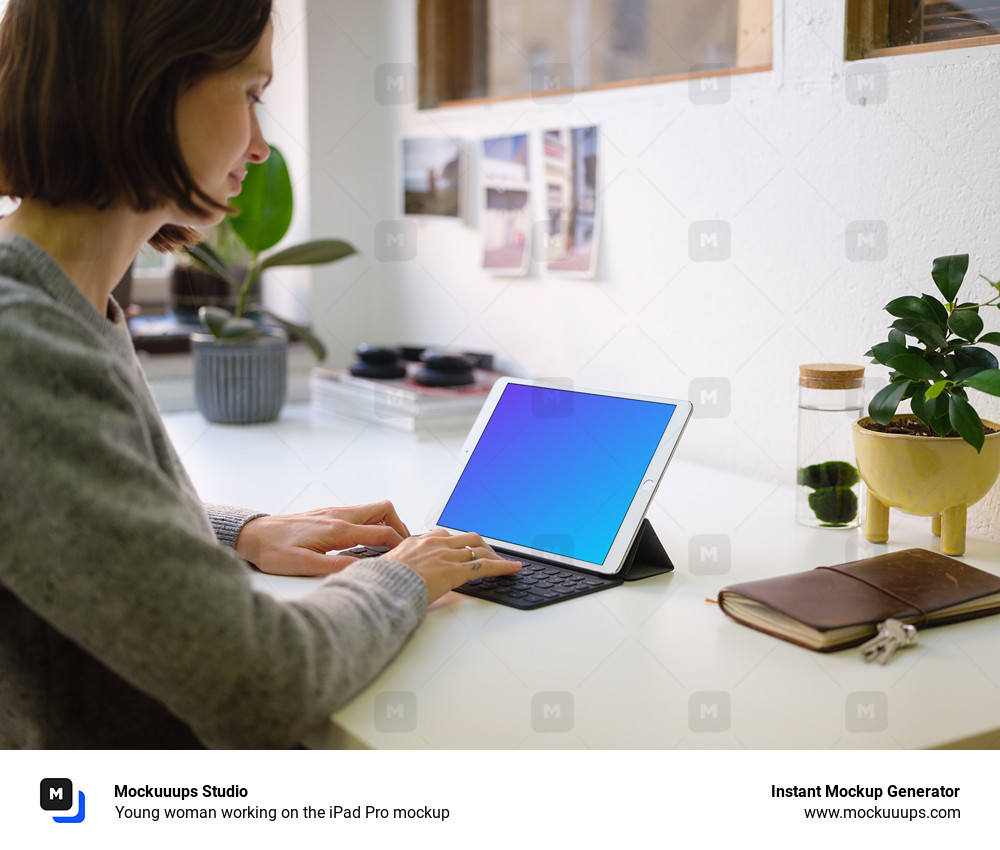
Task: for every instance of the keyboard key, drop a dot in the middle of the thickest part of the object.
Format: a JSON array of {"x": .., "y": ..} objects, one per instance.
[{"x": 536, "y": 585}]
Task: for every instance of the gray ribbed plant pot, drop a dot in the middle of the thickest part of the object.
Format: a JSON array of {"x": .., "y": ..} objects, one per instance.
[{"x": 243, "y": 381}]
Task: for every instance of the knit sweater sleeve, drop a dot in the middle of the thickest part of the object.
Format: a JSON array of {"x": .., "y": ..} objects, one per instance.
[
  {"x": 100, "y": 541},
  {"x": 228, "y": 521}
]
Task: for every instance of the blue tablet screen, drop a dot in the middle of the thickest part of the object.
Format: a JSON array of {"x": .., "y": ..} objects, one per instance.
[{"x": 556, "y": 470}]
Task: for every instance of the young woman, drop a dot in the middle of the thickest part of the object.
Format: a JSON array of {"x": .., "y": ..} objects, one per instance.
[{"x": 127, "y": 618}]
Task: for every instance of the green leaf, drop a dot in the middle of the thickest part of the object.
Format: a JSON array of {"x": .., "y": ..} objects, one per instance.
[
  {"x": 913, "y": 367},
  {"x": 313, "y": 253},
  {"x": 940, "y": 422},
  {"x": 911, "y": 307},
  {"x": 208, "y": 258},
  {"x": 939, "y": 310},
  {"x": 235, "y": 329},
  {"x": 970, "y": 355},
  {"x": 927, "y": 332},
  {"x": 934, "y": 411},
  {"x": 948, "y": 273},
  {"x": 919, "y": 404},
  {"x": 936, "y": 389},
  {"x": 213, "y": 319},
  {"x": 897, "y": 337},
  {"x": 992, "y": 338},
  {"x": 966, "y": 323},
  {"x": 967, "y": 422},
  {"x": 885, "y": 351},
  {"x": 303, "y": 333},
  {"x": 934, "y": 360},
  {"x": 987, "y": 381},
  {"x": 886, "y": 400},
  {"x": 962, "y": 374},
  {"x": 265, "y": 204}
]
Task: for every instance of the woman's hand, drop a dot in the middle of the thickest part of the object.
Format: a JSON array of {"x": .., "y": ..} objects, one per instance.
[
  {"x": 445, "y": 561},
  {"x": 297, "y": 544}
]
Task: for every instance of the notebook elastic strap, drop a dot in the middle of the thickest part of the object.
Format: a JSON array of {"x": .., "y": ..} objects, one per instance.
[{"x": 923, "y": 613}]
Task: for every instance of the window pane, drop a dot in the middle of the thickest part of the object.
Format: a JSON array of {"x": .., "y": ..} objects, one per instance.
[
  {"x": 549, "y": 45},
  {"x": 874, "y": 25},
  {"x": 944, "y": 21}
]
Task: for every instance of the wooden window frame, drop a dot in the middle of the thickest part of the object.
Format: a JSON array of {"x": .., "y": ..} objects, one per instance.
[
  {"x": 871, "y": 24},
  {"x": 455, "y": 23}
]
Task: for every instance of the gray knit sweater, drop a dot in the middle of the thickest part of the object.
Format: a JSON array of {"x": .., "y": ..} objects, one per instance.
[{"x": 125, "y": 619}]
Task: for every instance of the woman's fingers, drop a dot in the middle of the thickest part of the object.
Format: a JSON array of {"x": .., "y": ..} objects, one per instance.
[{"x": 447, "y": 561}]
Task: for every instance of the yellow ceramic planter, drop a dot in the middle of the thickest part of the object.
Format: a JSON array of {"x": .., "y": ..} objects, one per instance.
[{"x": 937, "y": 477}]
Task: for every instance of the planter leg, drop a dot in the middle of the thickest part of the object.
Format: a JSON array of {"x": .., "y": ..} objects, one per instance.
[
  {"x": 953, "y": 530},
  {"x": 936, "y": 524},
  {"x": 876, "y": 520}
]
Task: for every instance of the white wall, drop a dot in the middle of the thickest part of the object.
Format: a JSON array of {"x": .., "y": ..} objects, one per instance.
[
  {"x": 788, "y": 161},
  {"x": 285, "y": 124}
]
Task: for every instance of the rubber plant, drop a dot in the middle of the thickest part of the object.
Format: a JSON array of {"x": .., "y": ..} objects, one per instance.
[
  {"x": 264, "y": 214},
  {"x": 935, "y": 353}
]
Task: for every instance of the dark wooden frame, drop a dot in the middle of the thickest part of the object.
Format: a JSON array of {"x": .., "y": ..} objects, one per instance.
[
  {"x": 876, "y": 28},
  {"x": 452, "y": 52},
  {"x": 451, "y": 45}
]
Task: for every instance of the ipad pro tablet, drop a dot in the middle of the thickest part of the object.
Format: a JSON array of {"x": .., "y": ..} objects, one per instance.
[{"x": 562, "y": 474}]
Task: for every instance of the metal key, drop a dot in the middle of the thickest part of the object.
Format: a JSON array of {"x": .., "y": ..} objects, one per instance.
[{"x": 892, "y": 635}]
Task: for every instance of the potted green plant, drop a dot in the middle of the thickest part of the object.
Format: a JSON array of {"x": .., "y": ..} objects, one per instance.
[
  {"x": 192, "y": 286},
  {"x": 941, "y": 457},
  {"x": 240, "y": 369}
]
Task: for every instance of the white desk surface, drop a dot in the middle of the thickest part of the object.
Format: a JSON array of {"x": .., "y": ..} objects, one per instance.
[{"x": 650, "y": 664}]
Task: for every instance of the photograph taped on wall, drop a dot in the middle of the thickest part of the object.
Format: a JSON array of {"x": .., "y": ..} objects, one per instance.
[
  {"x": 506, "y": 199},
  {"x": 570, "y": 225},
  {"x": 432, "y": 176}
]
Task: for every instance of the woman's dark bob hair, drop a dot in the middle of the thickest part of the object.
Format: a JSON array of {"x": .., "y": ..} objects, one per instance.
[{"x": 89, "y": 91}]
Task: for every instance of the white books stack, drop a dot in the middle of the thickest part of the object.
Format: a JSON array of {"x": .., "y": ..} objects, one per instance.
[{"x": 402, "y": 404}]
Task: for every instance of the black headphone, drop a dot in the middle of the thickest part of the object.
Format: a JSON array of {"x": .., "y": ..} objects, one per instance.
[
  {"x": 445, "y": 370},
  {"x": 377, "y": 362}
]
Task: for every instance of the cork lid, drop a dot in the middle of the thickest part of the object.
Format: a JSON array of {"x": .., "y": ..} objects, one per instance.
[{"x": 831, "y": 376}]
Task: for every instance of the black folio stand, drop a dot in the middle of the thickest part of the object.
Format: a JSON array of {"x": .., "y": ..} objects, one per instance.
[{"x": 646, "y": 557}]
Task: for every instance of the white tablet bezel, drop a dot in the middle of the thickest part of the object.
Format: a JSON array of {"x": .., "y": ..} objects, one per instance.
[{"x": 644, "y": 494}]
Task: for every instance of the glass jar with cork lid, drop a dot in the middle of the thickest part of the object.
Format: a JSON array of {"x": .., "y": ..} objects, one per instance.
[{"x": 831, "y": 397}]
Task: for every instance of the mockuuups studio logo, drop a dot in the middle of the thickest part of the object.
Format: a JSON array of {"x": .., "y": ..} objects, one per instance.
[
  {"x": 395, "y": 241},
  {"x": 709, "y": 711},
  {"x": 712, "y": 397},
  {"x": 548, "y": 403},
  {"x": 56, "y": 795},
  {"x": 552, "y": 80},
  {"x": 709, "y": 241},
  {"x": 866, "y": 241},
  {"x": 396, "y": 711},
  {"x": 710, "y": 554},
  {"x": 552, "y": 711},
  {"x": 395, "y": 83},
  {"x": 867, "y": 711},
  {"x": 707, "y": 86},
  {"x": 866, "y": 83}
]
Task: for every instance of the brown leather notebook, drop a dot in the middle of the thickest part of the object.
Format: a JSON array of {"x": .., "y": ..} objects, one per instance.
[{"x": 831, "y": 608}]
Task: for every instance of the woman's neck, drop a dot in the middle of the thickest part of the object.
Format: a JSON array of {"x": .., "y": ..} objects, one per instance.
[{"x": 94, "y": 247}]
